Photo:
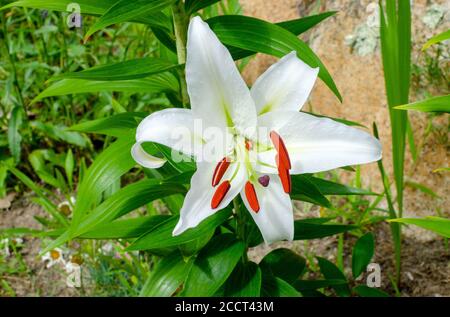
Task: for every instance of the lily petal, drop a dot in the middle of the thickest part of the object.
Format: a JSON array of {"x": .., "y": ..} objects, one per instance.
[
  {"x": 275, "y": 218},
  {"x": 170, "y": 127},
  {"x": 285, "y": 86},
  {"x": 318, "y": 144},
  {"x": 216, "y": 89},
  {"x": 197, "y": 204}
]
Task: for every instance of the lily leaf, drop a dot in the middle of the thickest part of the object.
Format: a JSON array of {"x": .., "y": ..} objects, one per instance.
[
  {"x": 163, "y": 82},
  {"x": 115, "y": 125},
  {"x": 264, "y": 37},
  {"x": 245, "y": 281},
  {"x": 97, "y": 7},
  {"x": 363, "y": 252},
  {"x": 168, "y": 275},
  {"x": 285, "y": 264},
  {"x": 213, "y": 266},
  {"x": 131, "y": 69},
  {"x": 161, "y": 236},
  {"x": 124, "y": 229},
  {"x": 124, "y": 10},
  {"x": 309, "y": 230},
  {"x": 332, "y": 272}
]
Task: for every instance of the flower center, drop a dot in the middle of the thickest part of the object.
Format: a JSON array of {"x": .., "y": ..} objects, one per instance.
[
  {"x": 242, "y": 155},
  {"x": 55, "y": 255}
]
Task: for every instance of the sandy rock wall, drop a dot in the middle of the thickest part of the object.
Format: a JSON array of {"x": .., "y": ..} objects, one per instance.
[{"x": 360, "y": 80}]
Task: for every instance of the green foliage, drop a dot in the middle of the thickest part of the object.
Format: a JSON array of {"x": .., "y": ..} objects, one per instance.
[
  {"x": 436, "y": 104},
  {"x": 436, "y": 224},
  {"x": 363, "y": 252}
]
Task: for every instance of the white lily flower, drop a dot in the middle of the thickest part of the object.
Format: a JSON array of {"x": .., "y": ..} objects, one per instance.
[
  {"x": 256, "y": 165},
  {"x": 53, "y": 257}
]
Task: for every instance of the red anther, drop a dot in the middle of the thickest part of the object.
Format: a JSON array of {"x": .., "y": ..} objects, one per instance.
[
  {"x": 285, "y": 178},
  {"x": 220, "y": 170},
  {"x": 250, "y": 193},
  {"x": 220, "y": 193},
  {"x": 248, "y": 145},
  {"x": 281, "y": 149}
]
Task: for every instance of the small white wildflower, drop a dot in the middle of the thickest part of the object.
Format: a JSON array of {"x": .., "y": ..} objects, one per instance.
[{"x": 53, "y": 257}]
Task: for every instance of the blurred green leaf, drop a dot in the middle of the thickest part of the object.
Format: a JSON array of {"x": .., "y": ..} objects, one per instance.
[
  {"x": 362, "y": 254},
  {"x": 285, "y": 264},
  {"x": 327, "y": 187},
  {"x": 424, "y": 189},
  {"x": 332, "y": 272},
  {"x": 69, "y": 166},
  {"x": 163, "y": 82},
  {"x": 366, "y": 291},
  {"x": 125, "y": 10},
  {"x": 131, "y": 69},
  {"x": 126, "y": 200},
  {"x": 305, "y": 190},
  {"x": 97, "y": 7},
  {"x": 109, "y": 166},
  {"x": 192, "y": 6},
  {"x": 308, "y": 230},
  {"x": 161, "y": 236},
  {"x": 168, "y": 275},
  {"x": 124, "y": 229},
  {"x": 115, "y": 125},
  {"x": 213, "y": 266},
  {"x": 273, "y": 286},
  {"x": 437, "y": 39},
  {"x": 59, "y": 133},
  {"x": 14, "y": 137},
  {"x": 245, "y": 281},
  {"x": 308, "y": 285}
]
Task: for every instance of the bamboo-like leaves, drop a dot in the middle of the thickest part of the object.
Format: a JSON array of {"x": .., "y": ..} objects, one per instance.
[
  {"x": 131, "y": 69},
  {"x": 435, "y": 104},
  {"x": 89, "y": 7},
  {"x": 213, "y": 266},
  {"x": 436, "y": 224},
  {"x": 163, "y": 82}
]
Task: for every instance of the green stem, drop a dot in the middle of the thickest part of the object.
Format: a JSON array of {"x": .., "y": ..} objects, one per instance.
[
  {"x": 340, "y": 255},
  {"x": 180, "y": 21},
  {"x": 395, "y": 226},
  {"x": 240, "y": 226}
]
